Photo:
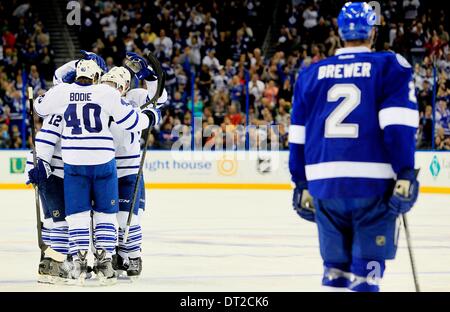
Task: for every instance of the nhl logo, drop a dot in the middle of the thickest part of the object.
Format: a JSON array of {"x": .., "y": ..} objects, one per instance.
[
  {"x": 56, "y": 213},
  {"x": 380, "y": 240},
  {"x": 264, "y": 165},
  {"x": 113, "y": 202}
]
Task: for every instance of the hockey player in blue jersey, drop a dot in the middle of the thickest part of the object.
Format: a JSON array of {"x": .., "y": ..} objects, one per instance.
[{"x": 352, "y": 144}]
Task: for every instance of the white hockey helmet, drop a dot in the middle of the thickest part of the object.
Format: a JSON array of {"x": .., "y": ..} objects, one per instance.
[
  {"x": 120, "y": 77},
  {"x": 88, "y": 69}
]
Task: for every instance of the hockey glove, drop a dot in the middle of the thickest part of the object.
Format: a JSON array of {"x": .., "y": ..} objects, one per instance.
[
  {"x": 39, "y": 175},
  {"x": 98, "y": 59},
  {"x": 154, "y": 115},
  {"x": 303, "y": 202},
  {"x": 139, "y": 66},
  {"x": 69, "y": 77},
  {"x": 405, "y": 192}
]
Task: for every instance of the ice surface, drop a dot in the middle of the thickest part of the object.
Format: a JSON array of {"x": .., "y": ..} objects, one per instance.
[{"x": 222, "y": 240}]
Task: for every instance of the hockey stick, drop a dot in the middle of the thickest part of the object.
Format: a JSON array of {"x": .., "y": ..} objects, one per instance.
[
  {"x": 159, "y": 90},
  {"x": 161, "y": 79},
  {"x": 410, "y": 250},
  {"x": 45, "y": 249}
]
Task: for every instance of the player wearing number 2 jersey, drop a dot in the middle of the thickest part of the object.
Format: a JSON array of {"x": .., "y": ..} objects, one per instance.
[
  {"x": 352, "y": 136},
  {"x": 88, "y": 153}
]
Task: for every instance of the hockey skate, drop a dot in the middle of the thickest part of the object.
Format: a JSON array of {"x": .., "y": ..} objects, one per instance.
[
  {"x": 119, "y": 264},
  {"x": 134, "y": 268},
  {"x": 104, "y": 269},
  {"x": 44, "y": 271},
  {"x": 76, "y": 270}
]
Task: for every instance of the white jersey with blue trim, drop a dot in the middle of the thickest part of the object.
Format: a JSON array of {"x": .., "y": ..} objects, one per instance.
[
  {"x": 127, "y": 144},
  {"x": 48, "y": 145},
  {"x": 86, "y": 109},
  {"x": 62, "y": 71}
]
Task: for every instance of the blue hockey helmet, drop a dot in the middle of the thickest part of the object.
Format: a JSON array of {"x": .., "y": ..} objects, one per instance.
[{"x": 355, "y": 21}]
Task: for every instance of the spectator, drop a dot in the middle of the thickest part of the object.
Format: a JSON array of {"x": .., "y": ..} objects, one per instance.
[
  {"x": 256, "y": 88},
  {"x": 410, "y": 7},
  {"x": 442, "y": 140},
  {"x": 221, "y": 80},
  {"x": 5, "y": 139},
  {"x": 163, "y": 45},
  {"x": 310, "y": 16},
  {"x": 424, "y": 136},
  {"x": 211, "y": 61},
  {"x": 443, "y": 116},
  {"x": 271, "y": 92}
]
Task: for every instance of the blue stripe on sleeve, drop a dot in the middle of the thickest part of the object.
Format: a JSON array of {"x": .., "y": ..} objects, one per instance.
[
  {"x": 45, "y": 142},
  {"x": 128, "y": 167},
  {"x": 135, "y": 122},
  {"x": 51, "y": 132},
  {"x": 87, "y": 148},
  {"x": 88, "y": 138},
  {"x": 125, "y": 118},
  {"x": 57, "y": 157},
  {"x": 128, "y": 157}
]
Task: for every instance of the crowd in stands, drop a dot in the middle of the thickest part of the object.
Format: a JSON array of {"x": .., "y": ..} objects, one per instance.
[
  {"x": 216, "y": 50},
  {"x": 25, "y": 60}
]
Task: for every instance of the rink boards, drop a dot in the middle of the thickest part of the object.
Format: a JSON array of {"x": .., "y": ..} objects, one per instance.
[{"x": 227, "y": 170}]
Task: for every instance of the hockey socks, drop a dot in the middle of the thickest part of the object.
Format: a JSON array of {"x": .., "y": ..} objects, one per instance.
[
  {"x": 78, "y": 233},
  {"x": 59, "y": 237},
  {"x": 132, "y": 248},
  {"x": 46, "y": 231},
  {"x": 105, "y": 233}
]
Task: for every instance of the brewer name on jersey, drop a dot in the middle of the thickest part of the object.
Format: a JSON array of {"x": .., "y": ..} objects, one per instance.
[{"x": 350, "y": 70}]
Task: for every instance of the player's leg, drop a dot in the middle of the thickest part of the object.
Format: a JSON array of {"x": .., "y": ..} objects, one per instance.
[
  {"x": 129, "y": 253},
  {"x": 106, "y": 198},
  {"x": 335, "y": 240},
  {"x": 44, "y": 269},
  {"x": 77, "y": 198},
  {"x": 60, "y": 232},
  {"x": 375, "y": 240}
]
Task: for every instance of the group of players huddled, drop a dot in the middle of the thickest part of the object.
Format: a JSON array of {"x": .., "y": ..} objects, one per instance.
[{"x": 88, "y": 155}]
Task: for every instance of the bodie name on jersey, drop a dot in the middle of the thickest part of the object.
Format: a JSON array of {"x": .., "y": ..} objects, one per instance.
[
  {"x": 350, "y": 70},
  {"x": 80, "y": 97}
]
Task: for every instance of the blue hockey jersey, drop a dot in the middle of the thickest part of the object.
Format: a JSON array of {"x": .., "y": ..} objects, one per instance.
[{"x": 353, "y": 123}]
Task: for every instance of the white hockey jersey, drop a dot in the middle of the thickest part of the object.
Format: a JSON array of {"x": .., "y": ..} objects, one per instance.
[
  {"x": 86, "y": 109},
  {"x": 128, "y": 144},
  {"x": 48, "y": 144},
  {"x": 48, "y": 138}
]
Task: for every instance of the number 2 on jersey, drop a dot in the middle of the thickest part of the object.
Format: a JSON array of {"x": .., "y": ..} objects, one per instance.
[
  {"x": 334, "y": 125},
  {"x": 72, "y": 120}
]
